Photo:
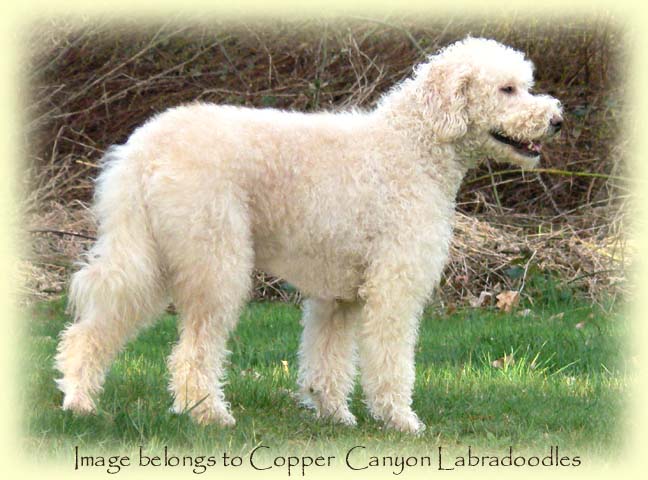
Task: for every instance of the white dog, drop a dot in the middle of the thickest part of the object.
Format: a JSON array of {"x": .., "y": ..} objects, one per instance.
[{"x": 355, "y": 209}]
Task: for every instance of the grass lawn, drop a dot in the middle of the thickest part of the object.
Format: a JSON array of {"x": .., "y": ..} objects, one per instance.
[{"x": 567, "y": 387}]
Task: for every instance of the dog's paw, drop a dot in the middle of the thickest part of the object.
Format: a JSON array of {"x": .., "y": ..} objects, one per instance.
[
  {"x": 338, "y": 413},
  {"x": 207, "y": 414},
  {"x": 343, "y": 416},
  {"x": 79, "y": 403},
  {"x": 214, "y": 417},
  {"x": 408, "y": 423}
]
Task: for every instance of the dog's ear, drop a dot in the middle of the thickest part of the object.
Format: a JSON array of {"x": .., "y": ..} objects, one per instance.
[{"x": 442, "y": 93}]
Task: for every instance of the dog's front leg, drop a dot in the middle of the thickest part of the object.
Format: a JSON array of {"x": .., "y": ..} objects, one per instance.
[{"x": 394, "y": 298}]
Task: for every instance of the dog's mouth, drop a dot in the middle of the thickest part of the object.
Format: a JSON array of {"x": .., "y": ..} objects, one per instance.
[{"x": 528, "y": 148}]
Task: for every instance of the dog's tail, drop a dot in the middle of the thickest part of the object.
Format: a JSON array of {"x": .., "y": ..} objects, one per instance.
[
  {"x": 121, "y": 275},
  {"x": 119, "y": 287}
]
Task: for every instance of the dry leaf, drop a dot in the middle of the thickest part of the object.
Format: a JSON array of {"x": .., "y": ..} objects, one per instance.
[
  {"x": 524, "y": 313},
  {"x": 284, "y": 364},
  {"x": 484, "y": 299},
  {"x": 507, "y": 300},
  {"x": 579, "y": 325},
  {"x": 499, "y": 363},
  {"x": 472, "y": 300},
  {"x": 556, "y": 316},
  {"x": 505, "y": 361}
]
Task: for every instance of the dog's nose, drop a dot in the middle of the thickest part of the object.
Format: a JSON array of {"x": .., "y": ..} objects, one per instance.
[{"x": 556, "y": 122}]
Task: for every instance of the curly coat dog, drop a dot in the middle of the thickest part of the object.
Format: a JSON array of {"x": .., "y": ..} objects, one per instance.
[{"x": 354, "y": 208}]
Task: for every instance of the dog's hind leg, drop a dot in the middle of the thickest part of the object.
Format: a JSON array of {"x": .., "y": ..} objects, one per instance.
[
  {"x": 210, "y": 262},
  {"x": 327, "y": 357},
  {"x": 117, "y": 291}
]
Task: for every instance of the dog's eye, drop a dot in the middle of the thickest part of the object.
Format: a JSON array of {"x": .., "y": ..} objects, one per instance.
[{"x": 508, "y": 89}]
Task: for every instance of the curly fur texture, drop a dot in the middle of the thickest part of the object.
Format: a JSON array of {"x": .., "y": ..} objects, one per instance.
[{"x": 355, "y": 209}]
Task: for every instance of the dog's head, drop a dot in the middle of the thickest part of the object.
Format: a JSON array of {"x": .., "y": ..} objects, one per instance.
[{"x": 477, "y": 91}]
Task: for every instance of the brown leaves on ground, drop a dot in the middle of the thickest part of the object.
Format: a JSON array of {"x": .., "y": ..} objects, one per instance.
[
  {"x": 484, "y": 299},
  {"x": 507, "y": 300},
  {"x": 505, "y": 361}
]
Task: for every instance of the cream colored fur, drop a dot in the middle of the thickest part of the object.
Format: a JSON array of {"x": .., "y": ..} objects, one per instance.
[{"x": 355, "y": 209}]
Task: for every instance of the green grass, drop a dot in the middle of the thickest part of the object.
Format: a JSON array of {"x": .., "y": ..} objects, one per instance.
[{"x": 567, "y": 387}]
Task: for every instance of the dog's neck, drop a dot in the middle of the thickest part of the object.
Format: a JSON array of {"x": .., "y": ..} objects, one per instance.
[{"x": 447, "y": 162}]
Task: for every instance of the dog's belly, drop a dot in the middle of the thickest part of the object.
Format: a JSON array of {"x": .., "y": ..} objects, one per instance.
[{"x": 320, "y": 276}]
